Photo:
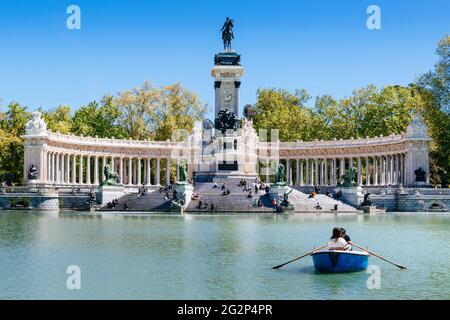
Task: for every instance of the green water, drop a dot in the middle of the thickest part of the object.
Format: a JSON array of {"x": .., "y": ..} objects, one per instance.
[{"x": 216, "y": 257}]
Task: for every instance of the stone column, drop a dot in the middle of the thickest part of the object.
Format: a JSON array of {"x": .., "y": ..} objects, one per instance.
[
  {"x": 149, "y": 182},
  {"x": 88, "y": 170},
  {"x": 382, "y": 170},
  {"x": 288, "y": 171},
  {"x": 130, "y": 171},
  {"x": 103, "y": 168},
  {"x": 342, "y": 167},
  {"x": 375, "y": 171},
  {"x": 135, "y": 171},
  {"x": 62, "y": 168},
  {"x": 391, "y": 169},
  {"x": 80, "y": 178},
  {"x": 96, "y": 170},
  {"x": 177, "y": 170},
  {"x": 167, "y": 171},
  {"x": 308, "y": 177},
  {"x": 360, "y": 171},
  {"x": 138, "y": 180},
  {"x": 334, "y": 172},
  {"x": 401, "y": 180},
  {"x": 57, "y": 172},
  {"x": 297, "y": 172},
  {"x": 301, "y": 173},
  {"x": 267, "y": 170},
  {"x": 67, "y": 171},
  {"x": 157, "y": 173},
  {"x": 74, "y": 169},
  {"x": 368, "y": 171},
  {"x": 316, "y": 172},
  {"x": 121, "y": 170},
  {"x": 53, "y": 167}
]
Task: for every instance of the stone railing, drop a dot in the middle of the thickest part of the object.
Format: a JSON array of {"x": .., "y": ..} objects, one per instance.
[{"x": 111, "y": 142}]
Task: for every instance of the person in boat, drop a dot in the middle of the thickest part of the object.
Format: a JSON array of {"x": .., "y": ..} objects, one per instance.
[
  {"x": 347, "y": 238},
  {"x": 337, "y": 241}
]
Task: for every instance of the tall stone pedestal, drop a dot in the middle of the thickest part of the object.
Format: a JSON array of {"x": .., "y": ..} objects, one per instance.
[
  {"x": 183, "y": 196},
  {"x": 107, "y": 194},
  {"x": 352, "y": 195}
]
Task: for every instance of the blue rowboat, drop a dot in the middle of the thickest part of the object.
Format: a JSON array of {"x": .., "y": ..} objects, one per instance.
[{"x": 340, "y": 261}]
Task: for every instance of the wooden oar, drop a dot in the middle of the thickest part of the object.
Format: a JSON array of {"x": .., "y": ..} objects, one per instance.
[
  {"x": 302, "y": 256},
  {"x": 378, "y": 256}
]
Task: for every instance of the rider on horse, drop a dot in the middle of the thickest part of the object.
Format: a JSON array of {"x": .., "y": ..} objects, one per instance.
[{"x": 227, "y": 33}]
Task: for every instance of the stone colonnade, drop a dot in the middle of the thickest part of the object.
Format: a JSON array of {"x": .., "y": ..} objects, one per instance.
[
  {"x": 370, "y": 170},
  {"x": 77, "y": 169}
]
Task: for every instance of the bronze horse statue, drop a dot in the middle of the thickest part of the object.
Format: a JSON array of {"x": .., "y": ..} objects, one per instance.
[{"x": 227, "y": 33}]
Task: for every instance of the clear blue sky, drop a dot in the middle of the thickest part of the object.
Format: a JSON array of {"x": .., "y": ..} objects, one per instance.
[{"x": 322, "y": 46}]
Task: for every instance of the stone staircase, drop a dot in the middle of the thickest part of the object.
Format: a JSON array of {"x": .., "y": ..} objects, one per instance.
[
  {"x": 236, "y": 201},
  {"x": 302, "y": 203},
  {"x": 153, "y": 202}
]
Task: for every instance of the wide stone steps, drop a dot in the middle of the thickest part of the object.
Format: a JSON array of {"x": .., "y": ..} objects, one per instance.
[
  {"x": 302, "y": 202},
  {"x": 153, "y": 202}
]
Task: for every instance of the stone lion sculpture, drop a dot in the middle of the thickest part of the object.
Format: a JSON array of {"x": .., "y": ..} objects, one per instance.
[
  {"x": 348, "y": 178},
  {"x": 111, "y": 178}
]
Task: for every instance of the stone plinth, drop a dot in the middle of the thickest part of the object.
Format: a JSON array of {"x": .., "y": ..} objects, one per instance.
[
  {"x": 107, "y": 194},
  {"x": 371, "y": 210},
  {"x": 352, "y": 195},
  {"x": 184, "y": 195}
]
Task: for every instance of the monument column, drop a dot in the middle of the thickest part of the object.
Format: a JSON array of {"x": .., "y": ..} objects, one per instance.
[
  {"x": 121, "y": 170},
  {"x": 149, "y": 182},
  {"x": 367, "y": 171},
  {"x": 316, "y": 172},
  {"x": 334, "y": 172},
  {"x": 288, "y": 171},
  {"x": 67, "y": 172},
  {"x": 138, "y": 180},
  {"x": 74, "y": 169},
  {"x": 167, "y": 171},
  {"x": 307, "y": 173},
  {"x": 88, "y": 170},
  {"x": 157, "y": 173},
  {"x": 301, "y": 173},
  {"x": 297, "y": 172},
  {"x": 360, "y": 171},
  {"x": 130, "y": 171},
  {"x": 80, "y": 172},
  {"x": 96, "y": 170},
  {"x": 375, "y": 171}
]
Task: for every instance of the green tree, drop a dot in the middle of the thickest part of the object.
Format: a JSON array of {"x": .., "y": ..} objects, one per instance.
[
  {"x": 178, "y": 109},
  {"x": 58, "y": 119},
  {"x": 137, "y": 111},
  {"x": 12, "y": 127},
  {"x": 285, "y": 111},
  {"x": 99, "y": 120},
  {"x": 438, "y": 80}
]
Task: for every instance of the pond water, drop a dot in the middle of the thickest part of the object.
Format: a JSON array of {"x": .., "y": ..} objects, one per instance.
[{"x": 216, "y": 257}]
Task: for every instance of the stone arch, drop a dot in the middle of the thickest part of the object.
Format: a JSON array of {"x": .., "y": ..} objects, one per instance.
[{"x": 436, "y": 205}]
